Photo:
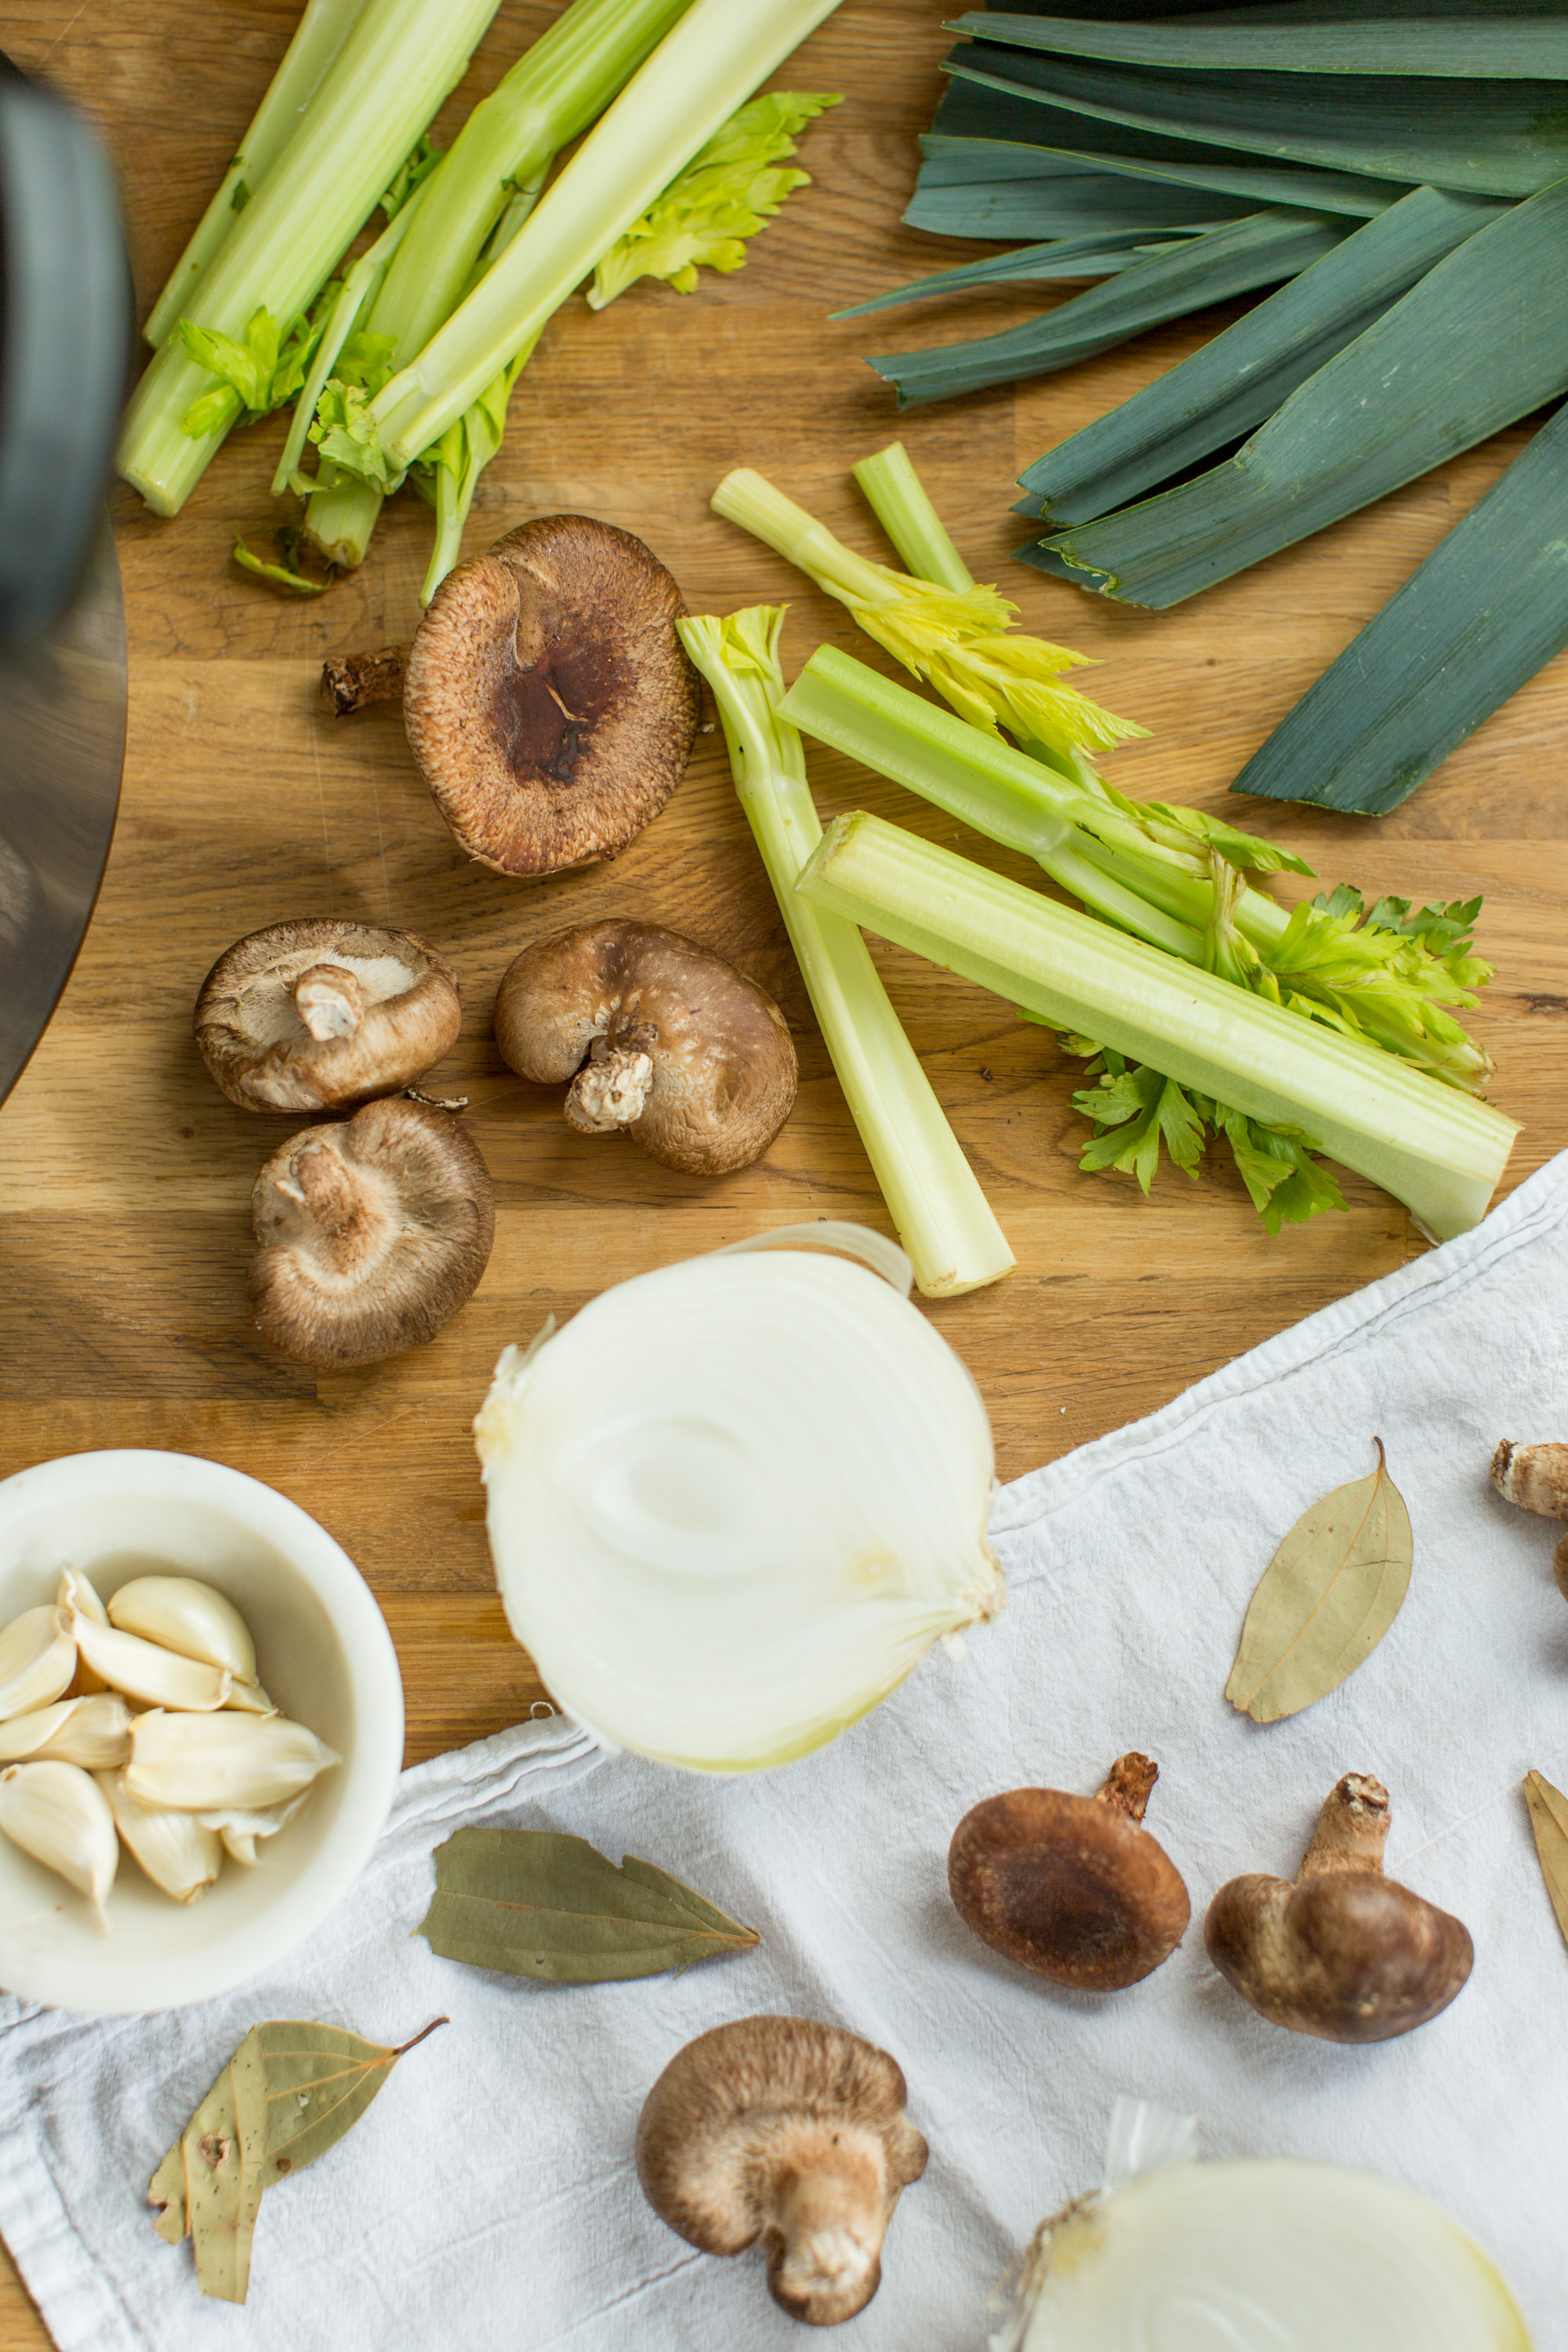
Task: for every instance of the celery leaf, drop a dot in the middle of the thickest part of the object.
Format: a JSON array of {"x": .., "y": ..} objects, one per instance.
[
  {"x": 348, "y": 438},
  {"x": 412, "y": 172},
  {"x": 267, "y": 371},
  {"x": 730, "y": 190}
]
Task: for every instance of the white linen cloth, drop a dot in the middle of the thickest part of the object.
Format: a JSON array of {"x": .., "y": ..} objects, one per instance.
[{"x": 488, "y": 2201}]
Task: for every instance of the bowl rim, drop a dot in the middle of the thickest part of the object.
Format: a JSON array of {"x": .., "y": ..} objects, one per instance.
[{"x": 101, "y": 1986}]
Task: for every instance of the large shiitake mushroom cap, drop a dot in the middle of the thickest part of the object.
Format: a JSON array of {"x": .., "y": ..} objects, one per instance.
[
  {"x": 549, "y": 702},
  {"x": 782, "y": 2130},
  {"x": 1344, "y": 1953},
  {"x": 321, "y": 1015},
  {"x": 374, "y": 1233},
  {"x": 1070, "y": 1888},
  {"x": 658, "y": 1036}
]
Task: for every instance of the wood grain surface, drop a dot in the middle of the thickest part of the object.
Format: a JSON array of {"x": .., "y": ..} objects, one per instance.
[{"x": 124, "y": 1225}]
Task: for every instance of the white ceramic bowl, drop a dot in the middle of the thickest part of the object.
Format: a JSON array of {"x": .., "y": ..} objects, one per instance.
[{"x": 323, "y": 1654}]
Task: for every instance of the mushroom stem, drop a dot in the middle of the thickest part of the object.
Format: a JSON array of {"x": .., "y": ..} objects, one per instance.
[
  {"x": 1536, "y": 1479},
  {"x": 824, "y": 2245},
  {"x": 1352, "y": 1828},
  {"x": 355, "y": 680},
  {"x": 610, "y": 1090},
  {"x": 1128, "y": 1784},
  {"x": 329, "y": 1000}
]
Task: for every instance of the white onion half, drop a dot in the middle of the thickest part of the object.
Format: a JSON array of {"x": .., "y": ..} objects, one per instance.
[
  {"x": 733, "y": 1502},
  {"x": 1272, "y": 2255}
]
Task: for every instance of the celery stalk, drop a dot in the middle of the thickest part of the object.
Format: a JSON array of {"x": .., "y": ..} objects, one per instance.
[
  {"x": 715, "y": 58},
  {"x": 943, "y": 1217},
  {"x": 1439, "y": 1151},
  {"x": 317, "y": 44},
  {"x": 897, "y": 497},
  {"x": 397, "y": 65},
  {"x": 1147, "y": 868}
]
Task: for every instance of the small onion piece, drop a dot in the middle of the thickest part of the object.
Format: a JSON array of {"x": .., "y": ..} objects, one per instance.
[
  {"x": 735, "y": 1501},
  {"x": 1315, "y": 2257}
]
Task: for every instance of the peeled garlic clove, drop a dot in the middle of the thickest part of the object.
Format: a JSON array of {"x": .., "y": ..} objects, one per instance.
[
  {"x": 76, "y": 1593},
  {"x": 92, "y": 1732},
  {"x": 37, "y": 1659},
  {"x": 240, "y": 1826},
  {"x": 222, "y": 1762},
  {"x": 181, "y": 1613},
  {"x": 59, "y": 1814},
  {"x": 156, "y": 1677},
  {"x": 174, "y": 1849},
  {"x": 249, "y": 1698}
]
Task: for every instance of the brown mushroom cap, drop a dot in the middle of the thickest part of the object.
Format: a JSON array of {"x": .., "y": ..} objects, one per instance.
[
  {"x": 373, "y": 1233},
  {"x": 320, "y": 1015},
  {"x": 658, "y": 1036},
  {"x": 549, "y": 702},
  {"x": 1071, "y": 1888},
  {"x": 782, "y": 2130},
  {"x": 1344, "y": 1953}
]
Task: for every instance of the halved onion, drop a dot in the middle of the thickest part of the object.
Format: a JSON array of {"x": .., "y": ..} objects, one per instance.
[{"x": 734, "y": 1502}]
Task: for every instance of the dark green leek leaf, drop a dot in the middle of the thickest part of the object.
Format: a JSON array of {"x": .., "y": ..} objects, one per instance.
[
  {"x": 1496, "y": 138},
  {"x": 1243, "y": 376},
  {"x": 1326, "y": 1600},
  {"x": 538, "y": 1902},
  {"x": 982, "y": 107},
  {"x": 1028, "y": 265},
  {"x": 1496, "y": 45},
  {"x": 1483, "y": 614},
  {"x": 1258, "y": 251},
  {"x": 1077, "y": 203},
  {"x": 1479, "y": 342}
]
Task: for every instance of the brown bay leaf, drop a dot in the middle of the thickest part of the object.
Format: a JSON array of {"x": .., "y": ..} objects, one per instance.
[
  {"x": 1326, "y": 1600},
  {"x": 541, "y": 1903},
  {"x": 1549, "y": 1820},
  {"x": 289, "y": 2093}
]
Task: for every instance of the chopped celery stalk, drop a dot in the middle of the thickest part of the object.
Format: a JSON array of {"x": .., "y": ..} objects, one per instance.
[
  {"x": 1439, "y": 1151},
  {"x": 730, "y": 190},
  {"x": 458, "y": 460},
  {"x": 1146, "y": 867},
  {"x": 360, "y": 285},
  {"x": 957, "y": 639},
  {"x": 311, "y": 54},
  {"x": 897, "y": 497},
  {"x": 392, "y": 72},
  {"x": 943, "y": 1217},
  {"x": 701, "y": 71}
]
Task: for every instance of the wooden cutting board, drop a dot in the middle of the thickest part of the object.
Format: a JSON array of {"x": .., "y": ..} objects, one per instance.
[{"x": 124, "y": 1225}]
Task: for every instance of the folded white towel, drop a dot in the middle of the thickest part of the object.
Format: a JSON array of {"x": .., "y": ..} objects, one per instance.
[{"x": 488, "y": 2201}]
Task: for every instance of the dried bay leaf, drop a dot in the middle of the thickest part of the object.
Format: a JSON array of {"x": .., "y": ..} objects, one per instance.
[
  {"x": 540, "y": 1903},
  {"x": 289, "y": 2093},
  {"x": 1326, "y": 1600},
  {"x": 1549, "y": 1820}
]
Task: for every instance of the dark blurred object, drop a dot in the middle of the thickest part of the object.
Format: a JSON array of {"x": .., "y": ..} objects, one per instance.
[{"x": 65, "y": 345}]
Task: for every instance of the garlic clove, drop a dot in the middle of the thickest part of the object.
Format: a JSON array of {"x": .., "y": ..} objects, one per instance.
[
  {"x": 174, "y": 1849},
  {"x": 239, "y": 1844},
  {"x": 76, "y": 1593},
  {"x": 58, "y": 1813},
  {"x": 240, "y": 1826},
  {"x": 181, "y": 1613},
  {"x": 37, "y": 1659},
  {"x": 144, "y": 1670},
  {"x": 93, "y": 1732},
  {"x": 222, "y": 1762},
  {"x": 249, "y": 1698}
]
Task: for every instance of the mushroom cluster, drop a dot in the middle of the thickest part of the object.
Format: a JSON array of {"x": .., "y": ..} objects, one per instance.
[
  {"x": 371, "y": 1233},
  {"x": 659, "y": 1038},
  {"x": 781, "y": 2131},
  {"x": 548, "y": 700}
]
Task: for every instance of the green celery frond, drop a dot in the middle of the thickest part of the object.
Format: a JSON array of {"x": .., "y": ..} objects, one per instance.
[
  {"x": 264, "y": 373},
  {"x": 730, "y": 190},
  {"x": 943, "y": 1217},
  {"x": 411, "y": 174},
  {"x": 449, "y": 473},
  {"x": 956, "y": 638},
  {"x": 344, "y": 431}
]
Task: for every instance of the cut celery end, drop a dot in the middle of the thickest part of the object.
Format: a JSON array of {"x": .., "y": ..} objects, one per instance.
[
  {"x": 898, "y": 499},
  {"x": 1438, "y": 1151}
]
